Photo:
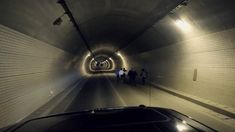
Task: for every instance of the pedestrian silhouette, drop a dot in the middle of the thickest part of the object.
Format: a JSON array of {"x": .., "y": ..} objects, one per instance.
[
  {"x": 117, "y": 74},
  {"x": 143, "y": 76},
  {"x": 130, "y": 76},
  {"x": 135, "y": 74}
]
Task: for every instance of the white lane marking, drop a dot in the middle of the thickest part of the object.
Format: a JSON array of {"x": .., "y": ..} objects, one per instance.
[
  {"x": 118, "y": 95},
  {"x": 81, "y": 83}
]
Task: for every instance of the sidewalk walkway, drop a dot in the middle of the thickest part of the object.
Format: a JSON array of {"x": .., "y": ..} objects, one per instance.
[{"x": 222, "y": 109}]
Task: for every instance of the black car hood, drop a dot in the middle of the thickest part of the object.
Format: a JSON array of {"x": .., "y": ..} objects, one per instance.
[{"x": 125, "y": 119}]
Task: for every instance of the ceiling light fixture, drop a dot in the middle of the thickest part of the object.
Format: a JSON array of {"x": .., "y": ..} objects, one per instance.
[
  {"x": 179, "y": 22},
  {"x": 183, "y": 25},
  {"x": 67, "y": 11},
  {"x": 58, "y": 21},
  {"x": 118, "y": 54}
]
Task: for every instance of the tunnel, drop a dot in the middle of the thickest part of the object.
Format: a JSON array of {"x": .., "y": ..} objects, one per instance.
[{"x": 63, "y": 55}]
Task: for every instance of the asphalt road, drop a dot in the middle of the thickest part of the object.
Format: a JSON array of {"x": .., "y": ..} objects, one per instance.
[{"x": 101, "y": 91}]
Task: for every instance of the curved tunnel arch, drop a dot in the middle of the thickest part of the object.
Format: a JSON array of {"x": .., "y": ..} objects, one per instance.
[{"x": 103, "y": 57}]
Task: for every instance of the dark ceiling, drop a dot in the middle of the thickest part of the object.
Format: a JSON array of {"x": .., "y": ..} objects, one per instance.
[
  {"x": 117, "y": 22},
  {"x": 109, "y": 24}
]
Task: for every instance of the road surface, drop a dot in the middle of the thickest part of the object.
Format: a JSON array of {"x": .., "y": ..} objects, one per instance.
[{"x": 102, "y": 91}]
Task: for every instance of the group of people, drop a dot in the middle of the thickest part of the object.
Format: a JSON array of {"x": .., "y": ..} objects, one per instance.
[{"x": 132, "y": 74}]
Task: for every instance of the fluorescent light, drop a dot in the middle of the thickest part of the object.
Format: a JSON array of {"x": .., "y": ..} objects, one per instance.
[
  {"x": 83, "y": 68},
  {"x": 51, "y": 92},
  {"x": 183, "y": 25},
  {"x": 118, "y": 54},
  {"x": 88, "y": 55}
]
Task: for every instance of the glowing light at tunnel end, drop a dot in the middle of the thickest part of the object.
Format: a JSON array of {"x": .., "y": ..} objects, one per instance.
[{"x": 88, "y": 55}]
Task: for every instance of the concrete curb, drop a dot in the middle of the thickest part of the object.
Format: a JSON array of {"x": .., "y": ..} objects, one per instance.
[{"x": 222, "y": 109}]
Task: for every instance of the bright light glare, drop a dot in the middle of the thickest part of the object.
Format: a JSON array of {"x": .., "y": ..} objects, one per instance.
[
  {"x": 88, "y": 55},
  {"x": 183, "y": 25},
  {"x": 181, "y": 127},
  {"x": 123, "y": 59},
  {"x": 118, "y": 54},
  {"x": 83, "y": 64},
  {"x": 114, "y": 66},
  {"x": 51, "y": 92}
]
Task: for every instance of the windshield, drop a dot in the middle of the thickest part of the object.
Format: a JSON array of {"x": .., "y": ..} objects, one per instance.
[{"x": 62, "y": 56}]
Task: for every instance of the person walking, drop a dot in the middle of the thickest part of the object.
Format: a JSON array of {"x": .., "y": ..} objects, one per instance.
[
  {"x": 124, "y": 75},
  {"x": 130, "y": 76},
  {"x": 143, "y": 76},
  {"x": 135, "y": 74},
  {"x": 117, "y": 74},
  {"x": 121, "y": 74}
]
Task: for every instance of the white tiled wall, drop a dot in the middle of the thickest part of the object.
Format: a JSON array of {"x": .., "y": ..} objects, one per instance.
[
  {"x": 31, "y": 73},
  {"x": 213, "y": 55}
]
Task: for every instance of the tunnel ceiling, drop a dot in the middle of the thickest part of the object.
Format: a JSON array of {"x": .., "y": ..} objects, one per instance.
[
  {"x": 134, "y": 26},
  {"x": 35, "y": 18},
  {"x": 104, "y": 23},
  {"x": 203, "y": 16},
  {"x": 116, "y": 23}
]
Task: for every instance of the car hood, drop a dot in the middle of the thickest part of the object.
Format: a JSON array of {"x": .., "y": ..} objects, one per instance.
[{"x": 124, "y": 119}]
